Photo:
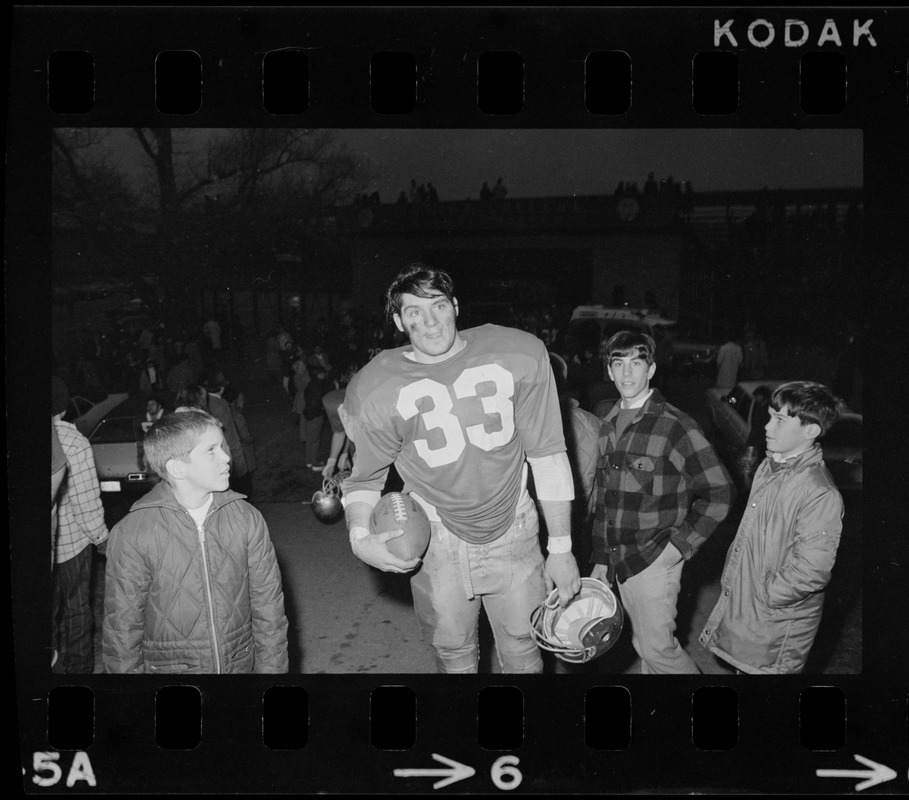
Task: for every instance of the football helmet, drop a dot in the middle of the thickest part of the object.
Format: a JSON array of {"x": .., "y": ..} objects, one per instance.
[
  {"x": 586, "y": 628},
  {"x": 326, "y": 503}
]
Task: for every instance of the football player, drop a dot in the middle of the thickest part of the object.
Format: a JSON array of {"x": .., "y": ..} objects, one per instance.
[{"x": 461, "y": 414}]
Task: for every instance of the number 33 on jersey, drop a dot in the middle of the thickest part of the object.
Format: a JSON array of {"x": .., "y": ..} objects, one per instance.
[
  {"x": 457, "y": 431},
  {"x": 455, "y": 435}
]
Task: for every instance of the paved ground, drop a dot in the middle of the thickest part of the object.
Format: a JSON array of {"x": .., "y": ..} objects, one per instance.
[{"x": 346, "y": 617}]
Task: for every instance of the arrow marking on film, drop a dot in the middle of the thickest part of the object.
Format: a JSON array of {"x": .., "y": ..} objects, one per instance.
[
  {"x": 452, "y": 773},
  {"x": 877, "y": 774}
]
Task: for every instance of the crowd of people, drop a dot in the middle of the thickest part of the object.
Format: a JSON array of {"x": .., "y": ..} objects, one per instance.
[
  {"x": 639, "y": 474},
  {"x": 497, "y": 192},
  {"x": 427, "y": 193},
  {"x": 150, "y": 358},
  {"x": 419, "y": 193},
  {"x": 678, "y": 195}
]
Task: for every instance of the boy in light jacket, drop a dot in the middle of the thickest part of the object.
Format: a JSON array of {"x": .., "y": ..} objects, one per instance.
[
  {"x": 192, "y": 582},
  {"x": 772, "y": 588}
]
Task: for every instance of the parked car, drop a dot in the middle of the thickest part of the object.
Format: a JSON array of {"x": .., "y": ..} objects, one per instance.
[
  {"x": 732, "y": 411},
  {"x": 130, "y": 320},
  {"x": 117, "y": 446},
  {"x": 86, "y": 413},
  {"x": 600, "y": 322},
  {"x": 132, "y": 324}
]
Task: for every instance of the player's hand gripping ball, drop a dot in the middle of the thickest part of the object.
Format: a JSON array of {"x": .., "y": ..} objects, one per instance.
[{"x": 396, "y": 511}]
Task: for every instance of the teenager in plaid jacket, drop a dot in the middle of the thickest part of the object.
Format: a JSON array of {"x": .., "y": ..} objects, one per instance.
[
  {"x": 80, "y": 524},
  {"x": 661, "y": 492}
]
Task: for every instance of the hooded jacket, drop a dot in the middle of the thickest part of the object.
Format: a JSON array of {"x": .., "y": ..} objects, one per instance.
[
  {"x": 772, "y": 588},
  {"x": 180, "y": 600}
]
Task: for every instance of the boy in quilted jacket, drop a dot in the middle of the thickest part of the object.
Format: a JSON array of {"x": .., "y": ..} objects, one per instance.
[
  {"x": 781, "y": 560},
  {"x": 192, "y": 582}
]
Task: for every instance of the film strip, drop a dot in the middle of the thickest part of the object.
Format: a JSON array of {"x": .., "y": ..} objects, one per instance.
[{"x": 589, "y": 731}]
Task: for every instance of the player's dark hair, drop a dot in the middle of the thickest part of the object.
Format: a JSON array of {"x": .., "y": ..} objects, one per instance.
[
  {"x": 420, "y": 280},
  {"x": 630, "y": 343},
  {"x": 810, "y": 402}
]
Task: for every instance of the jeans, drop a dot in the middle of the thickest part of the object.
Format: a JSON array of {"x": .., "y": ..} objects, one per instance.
[
  {"x": 311, "y": 433},
  {"x": 650, "y": 600},
  {"x": 506, "y": 576}
]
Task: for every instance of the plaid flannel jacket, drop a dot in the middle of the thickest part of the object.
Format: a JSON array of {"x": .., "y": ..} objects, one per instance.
[
  {"x": 80, "y": 516},
  {"x": 661, "y": 481}
]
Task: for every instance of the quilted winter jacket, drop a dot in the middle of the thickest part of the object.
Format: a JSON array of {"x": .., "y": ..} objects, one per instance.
[
  {"x": 582, "y": 430},
  {"x": 777, "y": 567},
  {"x": 174, "y": 603}
]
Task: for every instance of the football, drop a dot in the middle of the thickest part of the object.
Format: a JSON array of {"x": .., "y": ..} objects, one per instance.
[{"x": 400, "y": 511}]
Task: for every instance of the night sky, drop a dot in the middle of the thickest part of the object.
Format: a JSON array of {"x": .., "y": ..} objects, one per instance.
[{"x": 541, "y": 163}]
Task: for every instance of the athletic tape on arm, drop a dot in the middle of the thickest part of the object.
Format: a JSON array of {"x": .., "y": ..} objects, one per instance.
[
  {"x": 358, "y": 508},
  {"x": 552, "y": 477}
]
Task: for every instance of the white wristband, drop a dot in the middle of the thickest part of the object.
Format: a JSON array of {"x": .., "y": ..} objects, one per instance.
[
  {"x": 330, "y": 462},
  {"x": 357, "y": 533},
  {"x": 558, "y": 544}
]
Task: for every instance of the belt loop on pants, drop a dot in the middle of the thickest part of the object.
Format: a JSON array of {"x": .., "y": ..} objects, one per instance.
[
  {"x": 460, "y": 554},
  {"x": 460, "y": 549}
]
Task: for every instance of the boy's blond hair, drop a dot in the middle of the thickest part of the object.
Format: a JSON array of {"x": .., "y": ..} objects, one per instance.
[{"x": 174, "y": 436}]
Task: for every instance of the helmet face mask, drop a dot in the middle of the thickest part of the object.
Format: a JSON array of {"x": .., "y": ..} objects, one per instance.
[
  {"x": 585, "y": 629},
  {"x": 326, "y": 503}
]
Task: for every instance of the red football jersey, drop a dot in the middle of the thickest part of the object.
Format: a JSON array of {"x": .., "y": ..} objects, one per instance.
[{"x": 458, "y": 431}]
